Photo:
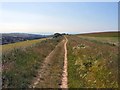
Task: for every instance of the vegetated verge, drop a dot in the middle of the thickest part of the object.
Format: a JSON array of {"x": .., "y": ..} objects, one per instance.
[
  {"x": 29, "y": 43},
  {"x": 20, "y": 65},
  {"x": 91, "y": 64},
  {"x": 50, "y": 73}
]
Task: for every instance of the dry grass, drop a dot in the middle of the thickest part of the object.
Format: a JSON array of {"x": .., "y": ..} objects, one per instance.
[
  {"x": 105, "y": 40},
  {"x": 91, "y": 64},
  {"x": 52, "y": 73},
  {"x": 20, "y": 65},
  {"x": 23, "y": 44}
]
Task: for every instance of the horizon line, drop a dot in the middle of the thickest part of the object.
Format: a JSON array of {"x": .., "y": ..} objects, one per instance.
[{"x": 51, "y": 33}]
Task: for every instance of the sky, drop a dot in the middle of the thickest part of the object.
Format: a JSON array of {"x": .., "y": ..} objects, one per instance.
[{"x": 63, "y": 17}]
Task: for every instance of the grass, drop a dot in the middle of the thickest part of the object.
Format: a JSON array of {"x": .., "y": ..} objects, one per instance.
[
  {"x": 91, "y": 64},
  {"x": 102, "y": 34},
  {"x": 20, "y": 65},
  {"x": 52, "y": 76},
  {"x": 23, "y": 44},
  {"x": 110, "y": 38},
  {"x": 103, "y": 40}
]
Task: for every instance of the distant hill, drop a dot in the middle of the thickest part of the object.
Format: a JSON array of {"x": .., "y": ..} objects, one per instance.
[
  {"x": 17, "y": 37},
  {"x": 102, "y": 34}
]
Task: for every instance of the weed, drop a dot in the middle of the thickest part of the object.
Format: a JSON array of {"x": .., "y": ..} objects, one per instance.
[
  {"x": 89, "y": 67},
  {"x": 20, "y": 65}
]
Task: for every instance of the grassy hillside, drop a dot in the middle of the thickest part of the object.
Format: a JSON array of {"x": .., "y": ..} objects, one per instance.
[
  {"x": 23, "y": 44},
  {"x": 111, "y": 38},
  {"x": 20, "y": 65},
  {"x": 91, "y": 64},
  {"x": 113, "y": 41},
  {"x": 102, "y": 34}
]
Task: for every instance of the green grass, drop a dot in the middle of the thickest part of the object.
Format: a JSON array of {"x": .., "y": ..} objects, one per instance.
[
  {"x": 20, "y": 65},
  {"x": 23, "y": 44},
  {"x": 91, "y": 64},
  {"x": 103, "y": 40}
]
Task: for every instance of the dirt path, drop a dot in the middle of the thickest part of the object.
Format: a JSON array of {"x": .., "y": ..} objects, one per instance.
[
  {"x": 64, "y": 83},
  {"x": 44, "y": 78}
]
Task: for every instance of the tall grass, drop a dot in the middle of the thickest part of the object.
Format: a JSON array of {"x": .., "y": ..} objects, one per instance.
[
  {"x": 51, "y": 78},
  {"x": 91, "y": 64},
  {"x": 20, "y": 65}
]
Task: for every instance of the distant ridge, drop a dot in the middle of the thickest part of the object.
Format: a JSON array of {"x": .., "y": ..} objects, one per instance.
[
  {"x": 102, "y": 34},
  {"x": 17, "y": 37}
]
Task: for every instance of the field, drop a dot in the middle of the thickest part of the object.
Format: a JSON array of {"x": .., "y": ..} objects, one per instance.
[
  {"x": 9, "y": 47},
  {"x": 101, "y": 34},
  {"x": 52, "y": 71},
  {"x": 92, "y": 61},
  {"x": 20, "y": 66},
  {"x": 110, "y": 38}
]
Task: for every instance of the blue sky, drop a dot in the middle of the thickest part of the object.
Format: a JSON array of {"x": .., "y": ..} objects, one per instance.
[{"x": 49, "y": 17}]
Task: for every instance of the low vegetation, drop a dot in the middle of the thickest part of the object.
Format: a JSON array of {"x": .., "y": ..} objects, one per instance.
[
  {"x": 102, "y": 34},
  {"x": 20, "y": 65},
  {"x": 91, "y": 64},
  {"x": 53, "y": 72},
  {"x": 113, "y": 41},
  {"x": 29, "y": 43}
]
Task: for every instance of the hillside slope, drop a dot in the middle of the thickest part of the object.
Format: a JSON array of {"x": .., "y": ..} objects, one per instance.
[{"x": 17, "y": 37}]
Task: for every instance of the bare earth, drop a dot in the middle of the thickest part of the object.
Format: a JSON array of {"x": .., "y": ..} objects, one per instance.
[{"x": 65, "y": 74}]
